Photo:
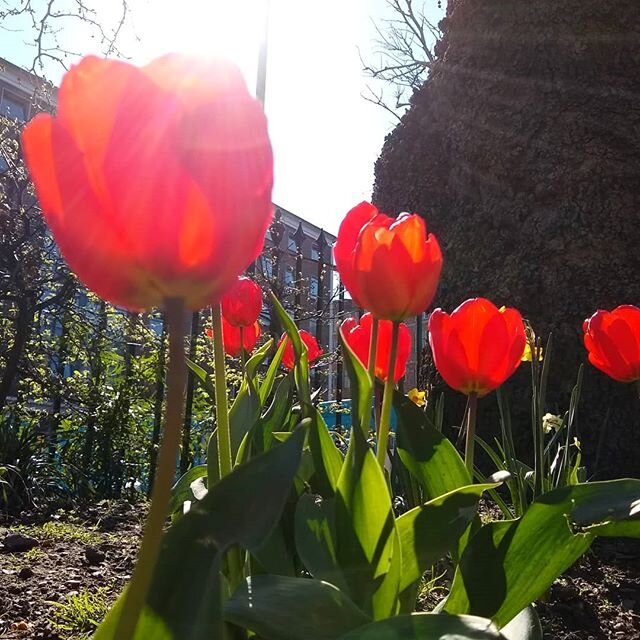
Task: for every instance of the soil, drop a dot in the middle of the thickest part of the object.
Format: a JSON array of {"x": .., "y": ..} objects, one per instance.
[
  {"x": 78, "y": 553},
  {"x": 93, "y": 552}
]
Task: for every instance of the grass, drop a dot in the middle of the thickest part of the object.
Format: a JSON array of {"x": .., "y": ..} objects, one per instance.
[
  {"x": 56, "y": 531},
  {"x": 79, "y": 614}
]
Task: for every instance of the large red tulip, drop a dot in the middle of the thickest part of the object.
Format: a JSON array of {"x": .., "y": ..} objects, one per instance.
[
  {"x": 478, "y": 346},
  {"x": 242, "y": 304},
  {"x": 612, "y": 339},
  {"x": 358, "y": 336},
  {"x": 231, "y": 337},
  {"x": 313, "y": 349},
  {"x": 390, "y": 266},
  {"x": 155, "y": 181}
]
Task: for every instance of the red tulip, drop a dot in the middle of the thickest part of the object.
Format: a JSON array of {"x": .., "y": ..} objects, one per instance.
[
  {"x": 313, "y": 349},
  {"x": 155, "y": 181},
  {"x": 391, "y": 267},
  {"x": 478, "y": 346},
  {"x": 358, "y": 337},
  {"x": 231, "y": 337},
  {"x": 242, "y": 304},
  {"x": 612, "y": 339}
]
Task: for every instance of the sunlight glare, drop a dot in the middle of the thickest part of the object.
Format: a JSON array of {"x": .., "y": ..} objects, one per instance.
[{"x": 224, "y": 28}]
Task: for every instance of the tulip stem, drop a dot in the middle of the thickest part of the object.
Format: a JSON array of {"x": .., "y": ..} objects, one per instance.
[
  {"x": 469, "y": 447},
  {"x": 225, "y": 459},
  {"x": 373, "y": 347},
  {"x": 387, "y": 398},
  {"x": 165, "y": 474}
]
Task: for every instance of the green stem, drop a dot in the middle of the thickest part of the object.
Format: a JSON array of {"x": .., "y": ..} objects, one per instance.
[
  {"x": 469, "y": 447},
  {"x": 225, "y": 460},
  {"x": 373, "y": 347},
  {"x": 387, "y": 398},
  {"x": 165, "y": 475}
]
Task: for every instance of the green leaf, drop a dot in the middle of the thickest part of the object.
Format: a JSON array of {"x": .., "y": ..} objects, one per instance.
[
  {"x": 282, "y": 608},
  {"x": 429, "y": 456},
  {"x": 429, "y": 531},
  {"x": 367, "y": 540},
  {"x": 316, "y": 538},
  {"x": 203, "y": 377},
  {"x": 301, "y": 372},
  {"x": 276, "y": 416},
  {"x": 507, "y": 565},
  {"x": 427, "y": 626},
  {"x": 185, "y": 593},
  {"x": 327, "y": 459},
  {"x": 181, "y": 490},
  {"x": 270, "y": 376},
  {"x": 361, "y": 389}
]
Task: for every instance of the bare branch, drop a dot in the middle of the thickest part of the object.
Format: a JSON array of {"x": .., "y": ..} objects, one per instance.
[{"x": 403, "y": 50}]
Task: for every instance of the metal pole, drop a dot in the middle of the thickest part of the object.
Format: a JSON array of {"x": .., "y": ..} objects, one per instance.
[{"x": 261, "y": 81}]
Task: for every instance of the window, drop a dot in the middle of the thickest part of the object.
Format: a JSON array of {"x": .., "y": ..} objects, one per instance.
[
  {"x": 315, "y": 252},
  {"x": 314, "y": 287},
  {"x": 313, "y": 326},
  {"x": 12, "y": 107},
  {"x": 289, "y": 276},
  {"x": 265, "y": 265},
  {"x": 291, "y": 245}
]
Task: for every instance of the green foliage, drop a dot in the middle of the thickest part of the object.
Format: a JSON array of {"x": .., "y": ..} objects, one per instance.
[{"x": 79, "y": 614}]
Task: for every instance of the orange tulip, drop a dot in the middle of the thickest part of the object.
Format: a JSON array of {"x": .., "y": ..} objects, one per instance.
[
  {"x": 242, "y": 304},
  {"x": 313, "y": 349},
  {"x": 147, "y": 176},
  {"x": 612, "y": 339},
  {"x": 231, "y": 337},
  {"x": 358, "y": 337},
  {"x": 478, "y": 346},
  {"x": 391, "y": 267}
]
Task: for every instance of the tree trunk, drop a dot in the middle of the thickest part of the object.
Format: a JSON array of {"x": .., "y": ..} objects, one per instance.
[
  {"x": 522, "y": 151},
  {"x": 23, "y": 325}
]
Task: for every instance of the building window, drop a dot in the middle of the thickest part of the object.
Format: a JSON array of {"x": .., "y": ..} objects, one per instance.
[
  {"x": 266, "y": 266},
  {"x": 12, "y": 107},
  {"x": 315, "y": 252},
  {"x": 289, "y": 276},
  {"x": 314, "y": 287},
  {"x": 313, "y": 326},
  {"x": 291, "y": 245}
]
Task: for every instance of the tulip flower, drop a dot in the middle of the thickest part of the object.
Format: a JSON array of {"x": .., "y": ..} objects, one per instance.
[
  {"x": 155, "y": 181},
  {"x": 242, "y": 304},
  {"x": 391, "y": 267},
  {"x": 612, "y": 339},
  {"x": 478, "y": 346},
  {"x": 358, "y": 337},
  {"x": 476, "y": 349},
  {"x": 313, "y": 349},
  {"x": 235, "y": 338}
]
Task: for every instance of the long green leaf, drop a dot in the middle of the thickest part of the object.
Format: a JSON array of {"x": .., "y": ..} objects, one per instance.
[
  {"x": 282, "y": 608},
  {"x": 185, "y": 594},
  {"x": 427, "y": 626},
  {"x": 327, "y": 458},
  {"x": 203, "y": 378},
  {"x": 508, "y": 565},
  {"x": 270, "y": 376},
  {"x": 429, "y": 456},
  {"x": 315, "y": 537},
  {"x": 430, "y": 531}
]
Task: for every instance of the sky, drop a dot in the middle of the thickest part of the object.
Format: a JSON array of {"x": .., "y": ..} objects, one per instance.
[{"x": 326, "y": 137}]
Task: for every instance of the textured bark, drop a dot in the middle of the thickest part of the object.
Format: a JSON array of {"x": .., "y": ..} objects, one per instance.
[{"x": 522, "y": 150}]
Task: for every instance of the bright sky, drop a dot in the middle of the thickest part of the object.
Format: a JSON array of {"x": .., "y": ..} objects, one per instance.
[{"x": 326, "y": 137}]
